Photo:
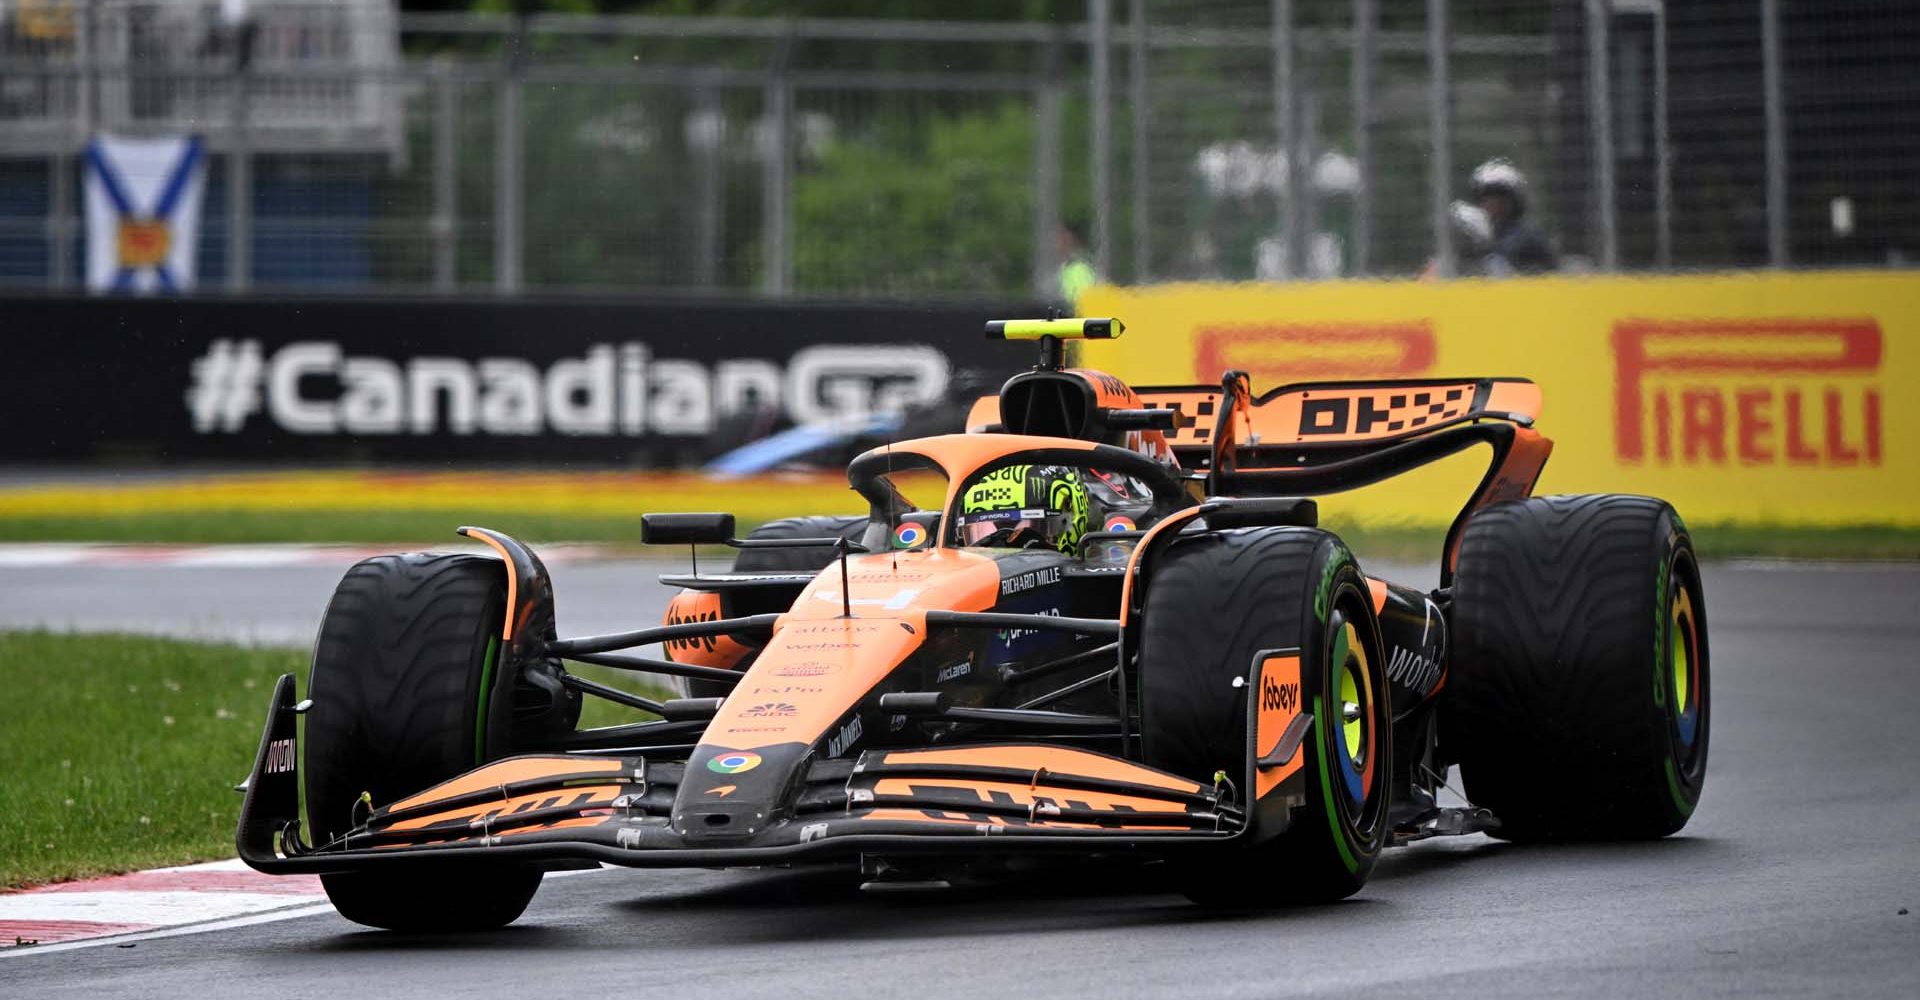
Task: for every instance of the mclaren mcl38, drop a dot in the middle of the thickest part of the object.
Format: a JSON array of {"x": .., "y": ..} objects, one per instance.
[{"x": 1101, "y": 623}]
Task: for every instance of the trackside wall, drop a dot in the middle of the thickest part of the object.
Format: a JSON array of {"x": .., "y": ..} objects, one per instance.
[
  {"x": 1765, "y": 398},
  {"x": 643, "y": 383}
]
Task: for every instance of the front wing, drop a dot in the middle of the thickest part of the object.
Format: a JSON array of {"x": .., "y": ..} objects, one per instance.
[{"x": 558, "y": 810}]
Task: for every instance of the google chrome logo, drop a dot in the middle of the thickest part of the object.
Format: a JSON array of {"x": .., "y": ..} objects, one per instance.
[
  {"x": 734, "y": 762},
  {"x": 909, "y": 536}
]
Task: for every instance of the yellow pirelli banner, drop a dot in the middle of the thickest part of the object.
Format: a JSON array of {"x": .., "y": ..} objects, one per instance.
[{"x": 1757, "y": 398}]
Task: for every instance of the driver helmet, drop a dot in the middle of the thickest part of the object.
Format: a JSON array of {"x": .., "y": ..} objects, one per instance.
[{"x": 1025, "y": 506}]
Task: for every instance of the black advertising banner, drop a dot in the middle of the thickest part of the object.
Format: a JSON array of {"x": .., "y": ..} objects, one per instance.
[{"x": 416, "y": 380}]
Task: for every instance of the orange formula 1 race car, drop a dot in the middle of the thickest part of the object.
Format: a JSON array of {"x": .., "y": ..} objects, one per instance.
[{"x": 1103, "y": 623}]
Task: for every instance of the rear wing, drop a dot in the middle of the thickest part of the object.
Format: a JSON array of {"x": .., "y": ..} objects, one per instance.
[
  {"x": 1223, "y": 426},
  {"x": 1326, "y": 437},
  {"x": 1213, "y": 421}
]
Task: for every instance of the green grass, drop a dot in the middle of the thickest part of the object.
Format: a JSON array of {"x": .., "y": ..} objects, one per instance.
[
  {"x": 1864, "y": 541},
  {"x": 596, "y": 712},
  {"x": 416, "y": 528},
  {"x": 120, "y": 753}
]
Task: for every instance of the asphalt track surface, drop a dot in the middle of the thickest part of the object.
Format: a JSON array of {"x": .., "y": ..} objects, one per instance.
[
  {"x": 1790, "y": 880},
  {"x": 282, "y": 605}
]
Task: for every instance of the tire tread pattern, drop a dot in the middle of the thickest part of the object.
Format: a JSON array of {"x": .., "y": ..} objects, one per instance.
[
  {"x": 798, "y": 560},
  {"x": 1214, "y": 602},
  {"x": 395, "y": 684},
  {"x": 1183, "y": 621},
  {"x": 1551, "y": 711}
]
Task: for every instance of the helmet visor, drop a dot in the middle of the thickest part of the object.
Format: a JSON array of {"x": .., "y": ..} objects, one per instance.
[{"x": 1005, "y": 525}]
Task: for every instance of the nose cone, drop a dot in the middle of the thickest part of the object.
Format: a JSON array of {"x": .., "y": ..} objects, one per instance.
[
  {"x": 811, "y": 679},
  {"x": 732, "y": 794}
]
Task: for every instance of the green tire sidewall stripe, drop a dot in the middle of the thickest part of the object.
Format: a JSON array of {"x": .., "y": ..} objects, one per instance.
[
  {"x": 1673, "y": 786},
  {"x": 480, "y": 710},
  {"x": 1662, "y": 611},
  {"x": 1326, "y": 788}
]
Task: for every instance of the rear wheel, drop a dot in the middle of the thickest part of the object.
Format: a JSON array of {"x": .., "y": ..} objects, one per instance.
[
  {"x": 1580, "y": 702},
  {"x": 402, "y": 682},
  {"x": 797, "y": 560},
  {"x": 1216, "y": 603}
]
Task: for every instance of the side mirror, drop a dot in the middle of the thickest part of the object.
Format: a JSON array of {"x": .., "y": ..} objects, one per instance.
[
  {"x": 686, "y": 529},
  {"x": 1141, "y": 420}
]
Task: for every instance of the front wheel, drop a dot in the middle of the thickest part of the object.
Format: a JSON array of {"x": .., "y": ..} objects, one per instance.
[
  {"x": 403, "y": 678},
  {"x": 1216, "y": 604},
  {"x": 778, "y": 560}
]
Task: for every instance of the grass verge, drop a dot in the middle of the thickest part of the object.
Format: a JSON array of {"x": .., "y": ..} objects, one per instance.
[{"x": 121, "y": 752}]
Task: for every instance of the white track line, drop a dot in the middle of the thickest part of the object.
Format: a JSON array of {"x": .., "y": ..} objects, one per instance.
[
  {"x": 154, "y": 908},
  {"x": 146, "y": 901},
  {"x": 30, "y": 555},
  {"x": 309, "y": 910},
  {"x": 290, "y": 908}
]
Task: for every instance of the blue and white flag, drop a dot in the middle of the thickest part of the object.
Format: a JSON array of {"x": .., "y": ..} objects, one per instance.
[{"x": 143, "y": 212}]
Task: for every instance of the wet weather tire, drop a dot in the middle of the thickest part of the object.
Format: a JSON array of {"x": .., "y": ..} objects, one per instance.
[
  {"x": 401, "y": 682},
  {"x": 799, "y": 560},
  {"x": 1215, "y": 604},
  {"x": 1579, "y": 703}
]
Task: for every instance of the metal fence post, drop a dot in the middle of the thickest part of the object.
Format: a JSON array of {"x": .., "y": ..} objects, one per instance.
[
  {"x": 1662, "y": 147},
  {"x": 776, "y": 176},
  {"x": 240, "y": 169},
  {"x": 60, "y": 220},
  {"x": 1600, "y": 129},
  {"x": 1100, "y": 44},
  {"x": 1046, "y": 167},
  {"x": 444, "y": 228},
  {"x": 507, "y": 192},
  {"x": 705, "y": 134},
  {"x": 87, "y": 97},
  {"x": 1366, "y": 25},
  {"x": 1777, "y": 252},
  {"x": 1137, "y": 97},
  {"x": 87, "y": 46},
  {"x": 1286, "y": 134},
  {"x": 1308, "y": 146},
  {"x": 1440, "y": 129}
]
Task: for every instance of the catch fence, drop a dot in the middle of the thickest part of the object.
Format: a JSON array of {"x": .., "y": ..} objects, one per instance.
[{"x": 361, "y": 149}]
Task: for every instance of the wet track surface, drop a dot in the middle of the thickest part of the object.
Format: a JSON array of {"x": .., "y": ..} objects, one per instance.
[{"x": 1789, "y": 880}]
